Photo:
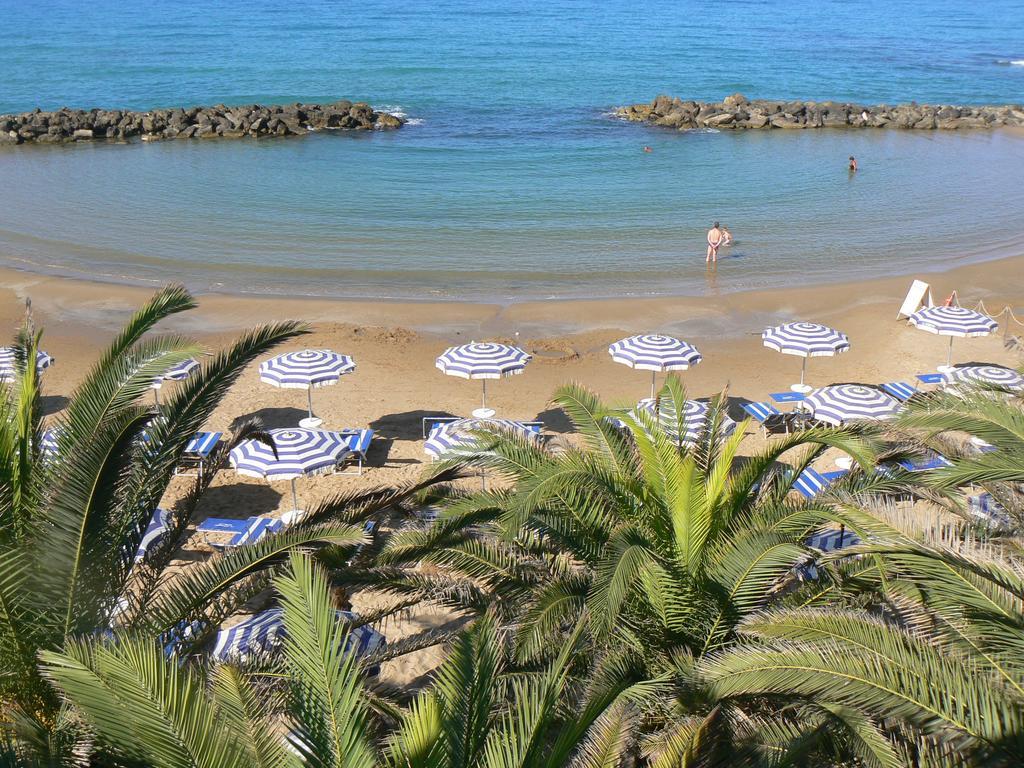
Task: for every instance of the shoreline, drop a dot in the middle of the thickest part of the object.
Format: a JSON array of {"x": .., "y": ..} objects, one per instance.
[{"x": 103, "y": 304}]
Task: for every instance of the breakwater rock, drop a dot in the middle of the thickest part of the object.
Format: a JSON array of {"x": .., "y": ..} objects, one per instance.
[
  {"x": 64, "y": 125},
  {"x": 737, "y": 113}
]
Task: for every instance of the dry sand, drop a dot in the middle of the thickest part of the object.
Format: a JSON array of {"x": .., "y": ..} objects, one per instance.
[{"x": 396, "y": 384}]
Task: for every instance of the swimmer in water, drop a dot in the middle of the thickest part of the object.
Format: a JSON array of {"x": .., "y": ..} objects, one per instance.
[
  {"x": 648, "y": 149},
  {"x": 714, "y": 242},
  {"x": 853, "y": 164},
  {"x": 726, "y": 235}
]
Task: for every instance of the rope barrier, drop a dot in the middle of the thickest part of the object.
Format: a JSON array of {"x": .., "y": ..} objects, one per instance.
[{"x": 1004, "y": 311}]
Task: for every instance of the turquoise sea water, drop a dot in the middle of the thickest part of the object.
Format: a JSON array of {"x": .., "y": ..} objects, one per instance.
[{"x": 510, "y": 181}]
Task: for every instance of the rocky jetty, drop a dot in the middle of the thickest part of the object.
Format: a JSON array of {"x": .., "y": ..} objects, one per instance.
[
  {"x": 737, "y": 113},
  {"x": 65, "y": 125}
]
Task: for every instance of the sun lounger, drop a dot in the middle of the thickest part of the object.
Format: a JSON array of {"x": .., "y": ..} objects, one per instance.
[
  {"x": 787, "y": 397},
  {"x": 263, "y": 633},
  {"x": 358, "y": 443},
  {"x": 900, "y": 390},
  {"x": 197, "y": 453},
  {"x": 243, "y": 532},
  {"x": 772, "y": 419},
  {"x": 930, "y": 378},
  {"x": 811, "y": 482},
  {"x": 985, "y": 507},
  {"x": 925, "y": 463},
  {"x": 830, "y": 540}
]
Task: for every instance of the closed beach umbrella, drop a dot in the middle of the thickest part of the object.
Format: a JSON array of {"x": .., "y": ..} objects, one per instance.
[
  {"x": 694, "y": 421},
  {"x": 305, "y": 370},
  {"x": 7, "y": 360},
  {"x": 805, "y": 340},
  {"x": 655, "y": 353},
  {"x": 264, "y": 632},
  {"x": 851, "y": 402},
  {"x": 952, "y": 322},
  {"x": 178, "y": 372},
  {"x": 483, "y": 360},
  {"x": 299, "y": 452},
  {"x": 985, "y": 375},
  {"x": 463, "y": 434}
]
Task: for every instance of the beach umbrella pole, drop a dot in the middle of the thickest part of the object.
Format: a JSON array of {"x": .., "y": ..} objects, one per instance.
[
  {"x": 156, "y": 396},
  {"x": 295, "y": 497},
  {"x": 311, "y": 421},
  {"x": 483, "y": 412},
  {"x": 801, "y": 387},
  {"x": 654, "y": 379}
]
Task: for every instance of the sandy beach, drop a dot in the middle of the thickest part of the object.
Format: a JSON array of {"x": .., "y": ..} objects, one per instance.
[{"x": 396, "y": 383}]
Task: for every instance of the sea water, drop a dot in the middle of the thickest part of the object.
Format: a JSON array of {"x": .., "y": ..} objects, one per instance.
[{"x": 511, "y": 179}]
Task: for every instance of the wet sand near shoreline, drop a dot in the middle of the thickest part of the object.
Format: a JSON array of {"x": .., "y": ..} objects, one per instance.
[{"x": 396, "y": 384}]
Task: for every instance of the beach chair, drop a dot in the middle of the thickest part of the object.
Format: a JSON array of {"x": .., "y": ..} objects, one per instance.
[
  {"x": 985, "y": 507},
  {"x": 932, "y": 379},
  {"x": 263, "y": 633},
  {"x": 197, "y": 454},
  {"x": 357, "y": 442},
  {"x": 159, "y": 526},
  {"x": 830, "y": 540},
  {"x": 900, "y": 390},
  {"x": 925, "y": 463},
  {"x": 811, "y": 482},
  {"x": 772, "y": 419},
  {"x": 248, "y": 531}
]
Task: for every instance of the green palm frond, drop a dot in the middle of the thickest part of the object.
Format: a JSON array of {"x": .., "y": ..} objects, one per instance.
[
  {"x": 329, "y": 714},
  {"x": 144, "y": 706}
]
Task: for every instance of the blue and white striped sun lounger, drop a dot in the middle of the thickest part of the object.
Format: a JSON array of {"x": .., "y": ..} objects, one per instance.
[
  {"x": 985, "y": 507},
  {"x": 197, "y": 453},
  {"x": 787, "y": 397},
  {"x": 158, "y": 527},
  {"x": 900, "y": 390},
  {"x": 225, "y": 524},
  {"x": 833, "y": 539},
  {"x": 257, "y": 529},
  {"x": 929, "y": 378},
  {"x": 264, "y": 632},
  {"x": 925, "y": 463},
  {"x": 769, "y": 417},
  {"x": 357, "y": 442},
  {"x": 830, "y": 540},
  {"x": 811, "y": 482}
]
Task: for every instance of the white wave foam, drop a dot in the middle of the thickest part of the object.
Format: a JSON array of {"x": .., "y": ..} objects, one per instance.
[
  {"x": 1011, "y": 62},
  {"x": 394, "y": 109},
  {"x": 414, "y": 121}
]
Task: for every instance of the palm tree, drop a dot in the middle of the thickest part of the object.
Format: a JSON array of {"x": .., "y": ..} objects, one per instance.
[
  {"x": 309, "y": 705},
  {"x": 70, "y": 523},
  {"x": 665, "y": 548}
]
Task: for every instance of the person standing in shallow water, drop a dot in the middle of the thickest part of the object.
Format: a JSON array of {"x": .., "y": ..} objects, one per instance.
[
  {"x": 853, "y": 164},
  {"x": 714, "y": 242}
]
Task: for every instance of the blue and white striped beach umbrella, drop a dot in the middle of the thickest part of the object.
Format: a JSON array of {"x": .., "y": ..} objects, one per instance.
[
  {"x": 805, "y": 340},
  {"x": 655, "y": 353},
  {"x": 694, "y": 421},
  {"x": 308, "y": 369},
  {"x": 299, "y": 452},
  {"x": 483, "y": 360},
  {"x": 177, "y": 372},
  {"x": 462, "y": 434},
  {"x": 851, "y": 402},
  {"x": 952, "y": 322},
  {"x": 43, "y": 360},
  {"x": 985, "y": 376},
  {"x": 264, "y": 632}
]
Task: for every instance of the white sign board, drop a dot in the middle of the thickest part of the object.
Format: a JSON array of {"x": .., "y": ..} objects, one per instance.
[{"x": 915, "y": 297}]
